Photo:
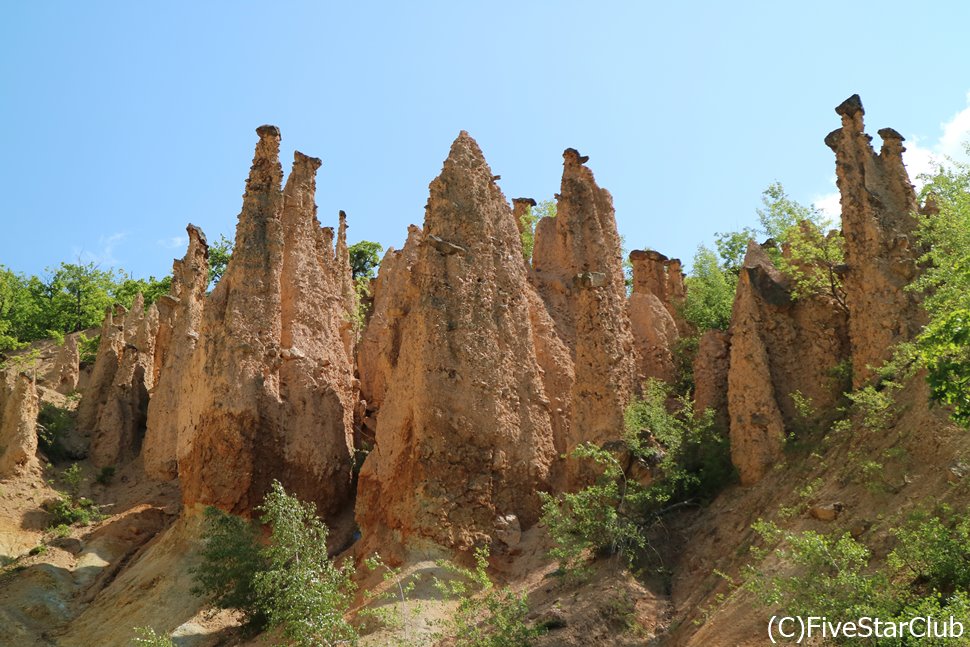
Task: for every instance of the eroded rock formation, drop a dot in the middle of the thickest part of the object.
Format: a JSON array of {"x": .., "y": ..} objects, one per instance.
[
  {"x": 19, "y": 407},
  {"x": 782, "y": 351},
  {"x": 464, "y": 434},
  {"x": 658, "y": 291},
  {"x": 878, "y": 202},
  {"x": 110, "y": 349},
  {"x": 272, "y": 386},
  {"x": 578, "y": 271},
  {"x": 180, "y": 313},
  {"x": 711, "y": 365},
  {"x": 118, "y": 434},
  {"x": 380, "y": 343},
  {"x": 66, "y": 368}
]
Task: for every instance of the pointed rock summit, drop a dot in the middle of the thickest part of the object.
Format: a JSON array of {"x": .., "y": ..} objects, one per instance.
[
  {"x": 273, "y": 391},
  {"x": 177, "y": 339},
  {"x": 578, "y": 271},
  {"x": 463, "y": 432},
  {"x": 779, "y": 347},
  {"x": 878, "y": 203}
]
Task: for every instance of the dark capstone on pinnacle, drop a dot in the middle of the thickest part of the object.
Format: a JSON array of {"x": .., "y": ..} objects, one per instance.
[{"x": 850, "y": 107}]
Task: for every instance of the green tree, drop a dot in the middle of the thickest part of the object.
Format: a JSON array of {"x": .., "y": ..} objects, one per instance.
[
  {"x": 151, "y": 289},
  {"x": 689, "y": 462},
  {"x": 304, "y": 594},
  {"x": 219, "y": 254},
  {"x": 732, "y": 246},
  {"x": 230, "y": 557},
  {"x": 943, "y": 346},
  {"x": 710, "y": 292},
  {"x": 78, "y": 296},
  {"x": 15, "y": 307},
  {"x": 364, "y": 258}
]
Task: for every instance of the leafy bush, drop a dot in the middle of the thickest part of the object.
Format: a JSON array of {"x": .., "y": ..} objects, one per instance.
[
  {"x": 875, "y": 406},
  {"x": 491, "y": 617},
  {"x": 303, "y": 593},
  {"x": 401, "y": 612},
  {"x": 835, "y": 583},
  {"x": 928, "y": 572},
  {"x": 69, "y": 511},
  {"x": 230, "y": 558},
  {"x": 688, "y": 461},
  {"x": 289, "y": 584},
  {"x": 106, "y": 475},
  {"x": 72, "y": 478}
]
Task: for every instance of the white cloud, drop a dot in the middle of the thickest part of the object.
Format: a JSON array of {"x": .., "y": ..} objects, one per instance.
[
  {"x": 921, "y": 159},
  {"x": 104, "y": 257},
  {"x": 175, "y": 242},
  {"x": 828, "y": 203}
]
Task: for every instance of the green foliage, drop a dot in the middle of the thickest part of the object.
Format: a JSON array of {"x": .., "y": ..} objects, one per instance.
[
  {"x": 364, "y": 304},
  {"x": 400, "y": 613},
  {"x": 831, "y": 575},
  {"x": 88, "y": 348},
  {"x": 689, "y": 462},
  {"x": 220, "y": 252},
  {"x": 532, "y": 215},
  {"x": 710, "y": 292},
  {"x": 53, "y": 425},
  {"x": 69, "y": 298},
  {"x": 927, "y": 573},
  {"x": 61, "y": 530},
  {"x": 150, "y": 289},
  {"x": 875, "y": 405},
  {"x": 804, "y": 252},
  {"x": 935, "y": 549},
  {"x": 810, "y": 255},
  {"x": 72, "y": 478},
  {"x": 812, "y": 261},
  {"x": 364, "y": 259},
  {"x": 230, "y": 557},
  {"x": 288, "y": 584},
  {"x": 106, "y": 475},
  {"x": 732, "y": 246},
  {"x": 304, "y": 594},
  {"x": 77, "y": 296},
  {"x": 486, "y": 616},
  {"x": 69, "y": 511},
  {"x": 147, "y": 637},
  {"x": 779, "y": 215},
  {"x": 73, "y": 508},
  {"x": 944, "y": 344},
  {"x": 684, "y": 352}
]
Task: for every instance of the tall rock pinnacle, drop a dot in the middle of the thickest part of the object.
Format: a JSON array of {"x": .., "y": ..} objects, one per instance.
[
  {"x": 579, "y": 274},
  {"x": 273, "y": 387},
  {"x": 177, "y": 339},
  {"x": 464, "y": 437},
  {"x": 878, "y": 202}
]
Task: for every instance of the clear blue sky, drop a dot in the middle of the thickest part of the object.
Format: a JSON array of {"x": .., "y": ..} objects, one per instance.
[{"x": 126, "y": 120}]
